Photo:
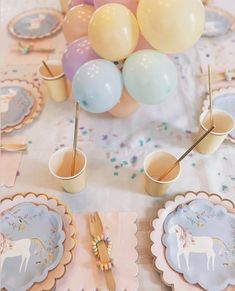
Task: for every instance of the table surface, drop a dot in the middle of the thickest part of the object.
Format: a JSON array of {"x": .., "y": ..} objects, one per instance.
[{"x": 116, "y": 147}]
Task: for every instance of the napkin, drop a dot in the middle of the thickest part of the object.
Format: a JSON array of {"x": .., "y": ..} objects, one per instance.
[
  {"x": 83, "y": 274},
  {"x": 10, "y": 161}
]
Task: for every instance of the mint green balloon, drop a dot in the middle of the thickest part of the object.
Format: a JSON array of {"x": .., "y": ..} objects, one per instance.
[{"x": 149, "y": 76}]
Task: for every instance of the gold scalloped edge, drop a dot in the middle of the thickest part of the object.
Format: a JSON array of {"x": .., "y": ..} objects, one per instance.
[
  {"x": 48, "y": 34},
  {"x": 52, "y": 282},
  {"x": 173, "y": 200},
  {"x": 35, "y": 110}
]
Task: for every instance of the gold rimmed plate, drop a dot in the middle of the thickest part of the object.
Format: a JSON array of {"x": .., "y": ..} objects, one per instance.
[{"x": 18, "y": 214}]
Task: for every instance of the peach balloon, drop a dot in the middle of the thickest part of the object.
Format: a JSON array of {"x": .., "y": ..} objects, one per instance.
[
  {"x": 113, "y": 32},
  {"x": 143, "y": 44},
  {"x": 76, "y": 22},
  {"x": 126, "y": 106},
  {"x": 130, "y": 4}
]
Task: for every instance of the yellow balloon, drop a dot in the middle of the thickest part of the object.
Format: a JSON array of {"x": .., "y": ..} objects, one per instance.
[
  {"x": 171, "y": 26},
  {"x": 113, "y": 32},
  {"x": 76, "y": 22}
]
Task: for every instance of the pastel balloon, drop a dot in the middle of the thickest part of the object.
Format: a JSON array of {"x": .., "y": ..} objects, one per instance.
[
  {"x": 76, "y": 22},
  {"x": 113, "y": 32},
  {"x": 77, "y": 53},
  {"x": 97, "y": 85},
  {"x": 149, "y": 76},
  {"x": 125, "y": 107},
  {"x": 130, "y": 4},
  {"x": 73, "y": 3},
  {"x": 91, "y": 2},
  {"x": 171, "y": 26}
]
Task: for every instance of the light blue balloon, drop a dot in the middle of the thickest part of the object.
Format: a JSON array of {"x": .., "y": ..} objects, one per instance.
[
  {"x": 97, "y": 85},
  {"x": 149, "y": 76}
]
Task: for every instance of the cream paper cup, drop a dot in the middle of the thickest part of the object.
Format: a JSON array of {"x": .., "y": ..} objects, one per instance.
[
  {"x": 156, "y": 164},
  {"x": 57, "y": 85},
  {"x": 224, "y": 124},
  {"x": 60, "y": 165},
  {"x": 64, "y": 6}
]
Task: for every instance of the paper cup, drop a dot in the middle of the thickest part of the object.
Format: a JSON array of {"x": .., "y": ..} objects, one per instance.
[
  {"x": 224, "y": 124},
  {"x": 64, "y": 6},
  {"x": 60, "y": 165},
  {"x": 57, "y": 85},
  {"x": 156, "y": 164}
]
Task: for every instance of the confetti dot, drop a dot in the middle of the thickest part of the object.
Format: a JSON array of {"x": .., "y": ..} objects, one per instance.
[
  {"x": 141, "y": 143},
  {"x": 188, "y": 131},
  {"x": 113, "y": 160},
  {"x": 148, "y": 139},
  {"x": 105, "y": 137},
  {"x": 141, "y": 170},
  {"x": 84, "y": 132},
  {"x": 133, "y": 176},
  {"x": 122, "y": 145},
  {"x": 115, "y": 174},
  {"x": 193, "y": 164},
  {"x": 125, "y": 163},
  {"x": 30, "y": 142},
  {"x": 17, "y": 174},
  {"x": 233, "y": 178},
  {"x": 134, "y": 160},
  {"x": 224, "y": 188},
  {"x": 219, "y": 174}
]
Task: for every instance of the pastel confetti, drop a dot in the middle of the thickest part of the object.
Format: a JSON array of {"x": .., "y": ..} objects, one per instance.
[
  {"x": 148, "y": 139},
  {"x": 113, "y": 160},
  {"x": 141, "y": 142},
  {"x": 115, "y": 173},
  {"x": 224, "y": 188},
  {"x": 133, "y": 176}
]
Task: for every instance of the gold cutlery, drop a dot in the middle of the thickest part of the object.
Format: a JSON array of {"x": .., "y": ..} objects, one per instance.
[
  {"x": 13, "y": 147},
  {"x": 96, "y": 230}
]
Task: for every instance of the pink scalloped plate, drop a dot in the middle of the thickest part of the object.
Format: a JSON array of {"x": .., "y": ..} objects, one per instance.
[
  {"x": 168, "y": 275},
  {"x": 68, "y": 227}
]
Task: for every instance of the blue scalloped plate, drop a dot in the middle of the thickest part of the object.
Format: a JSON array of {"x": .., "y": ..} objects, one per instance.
[
  {"x": 31, "y": 244},
  {"x": 218, "y": 22},
  {"x": 200, "y": 243}
]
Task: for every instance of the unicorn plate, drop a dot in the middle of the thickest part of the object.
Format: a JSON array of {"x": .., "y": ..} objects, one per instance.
[
  {"x": 31, "y": 244},
  {"x": 218, "y": 22},
  {"x": 200, "y": 243},
  {"x": 36, "y": 24},
  {"x": 224, "y": 99}
]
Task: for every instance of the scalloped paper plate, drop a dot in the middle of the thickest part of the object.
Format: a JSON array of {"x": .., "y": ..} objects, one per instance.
[
  {"x": 36, "y": 23},
  {"x": 223, "y": 99},
  {"x": 37, "y": 257},
  {"x": 169, "y": 276},
  {"x": 218, "y": 22},
  {"x": 21, "y": 101}
]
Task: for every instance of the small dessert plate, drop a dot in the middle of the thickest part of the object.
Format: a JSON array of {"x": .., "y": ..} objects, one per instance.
[
  {"x": 199, "y": 241},
  {"x": 37, "y": 239},
  {"x": 223, "y": 99},
  {"x": 20, "y": 103},
  {"x": 218, "y": 22},
  {"x": 180, "y": 227},
  {"x": 36, "y": 23},
  {"x": 31, "y": 240}
]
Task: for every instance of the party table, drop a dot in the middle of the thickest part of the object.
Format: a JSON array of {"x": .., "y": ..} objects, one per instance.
[{"x": 116, "y": 147}]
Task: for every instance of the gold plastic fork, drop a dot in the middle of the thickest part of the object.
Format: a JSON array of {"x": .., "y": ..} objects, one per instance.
[
  {"x": 13, "y": 147},
  {"x": 96, "y": 229}
]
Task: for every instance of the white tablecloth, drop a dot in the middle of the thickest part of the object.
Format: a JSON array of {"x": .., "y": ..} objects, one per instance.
[{"x": 116, "y": 147}]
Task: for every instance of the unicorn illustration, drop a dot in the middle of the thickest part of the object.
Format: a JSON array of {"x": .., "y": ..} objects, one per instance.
[
  {"x": 35, "y": 23},
  {"x": 187, "y": 243},
  {"x": 5, "y": 100},
  {"x": 17, "y": 248}
]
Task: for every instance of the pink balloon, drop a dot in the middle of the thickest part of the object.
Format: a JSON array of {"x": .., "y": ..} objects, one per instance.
[
  {"x": 73, "y": 3},
  {"x": 143, "y": 44},
  {"x": 131, "y": 4},
  {"x": 77, "y": 53}
]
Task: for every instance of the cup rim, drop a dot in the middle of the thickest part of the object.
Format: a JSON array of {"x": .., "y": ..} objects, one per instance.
[
  {"x": 157, "y": 181},
  {"x": 52, "y": 62},
  {"x": 204, "y": 113},
  {"x": 64, "y": 150}
]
